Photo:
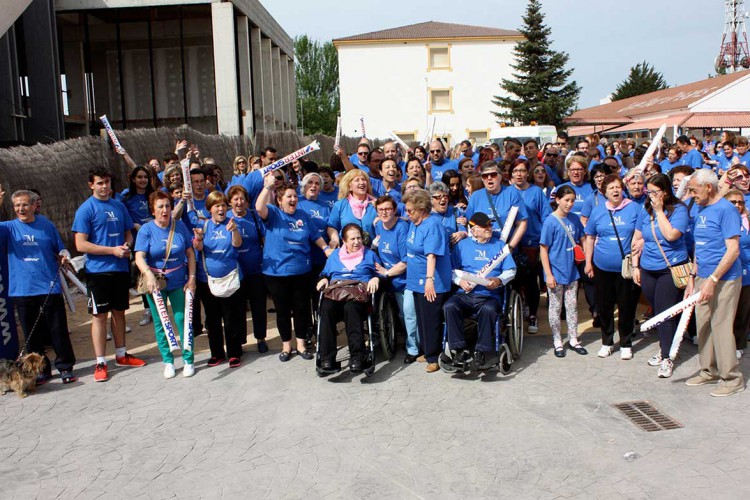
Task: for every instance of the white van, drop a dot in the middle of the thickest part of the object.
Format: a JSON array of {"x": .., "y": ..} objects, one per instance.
[{"x": 540, "y": 133}]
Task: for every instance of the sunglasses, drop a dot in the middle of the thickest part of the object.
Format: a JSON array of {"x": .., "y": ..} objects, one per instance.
[
  {"x": 363, "y": 153},
  {"x": 736, "y": 178},
  {"x": 553, "y": 155},
  {"x": 736, "y": 202},
  {"x": 436, "y": 151},
  {"x": 489, "y": 175}
]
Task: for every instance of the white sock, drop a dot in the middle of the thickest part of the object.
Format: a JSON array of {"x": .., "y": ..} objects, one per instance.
[
  {"x": 101, "y": 359},
  {"x": 120, "y": 351},
  {"x": 573, "y": 341}
]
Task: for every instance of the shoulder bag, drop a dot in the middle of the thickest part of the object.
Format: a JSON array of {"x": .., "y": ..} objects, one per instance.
[
  {"x": 681, "y": 273},
  {"x": 347, "y": 290},
  {"x": 578, "y": 254},
  {"x": 161, "y": 279},
  {"x": 626, "y": 270},
  {"x": 225, "y": 286}
]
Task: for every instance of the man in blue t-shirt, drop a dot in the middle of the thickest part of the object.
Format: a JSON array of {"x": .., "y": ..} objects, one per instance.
[
  {"x": 690, "y": 156},
  {"x": 438, "y": 163},
  {"x": 717, "y": 275},
  {"x": 102, "y": 230}
]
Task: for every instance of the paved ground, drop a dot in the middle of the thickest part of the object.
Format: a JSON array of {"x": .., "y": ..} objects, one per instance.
[{"x": 546, "y": 430}]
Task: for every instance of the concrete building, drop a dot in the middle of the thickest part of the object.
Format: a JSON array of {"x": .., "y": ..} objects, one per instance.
[
  {"x": 716, "y": 103},
  {"x": 399, "y": 79},
  {"x": 218, "y": 66}
]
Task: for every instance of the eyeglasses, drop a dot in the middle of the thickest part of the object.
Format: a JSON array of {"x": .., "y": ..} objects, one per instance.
[
  {"x": 740, "y": 177},
  {"x": 411, "y": 210},
  {"x": 412, "y": 186},
  {"x": 362, "y": 153},
  {"x": 576, "y": 170},
  {"x": 520, "y": 171},
  {"x": 737, "y": 202},
  {"x": 385, "y": 210},
  {"x": 551, "y": 155},
  {"x": 489, "y": 175},
  {"x": 599, "y": 176},
  {"x": 440, "y": 197}
]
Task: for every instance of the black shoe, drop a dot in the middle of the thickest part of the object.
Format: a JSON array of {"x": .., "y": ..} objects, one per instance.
[
  {"x": 355, "y": 365},
  {"x": 409, "y": 359},
  {"x": 306, "y": 355},
  {"x": 285, "y": 356},
  {"x": 461, "y": 357},
  {"x": 262, "y": 346},
  {"x": 479, "y": 360},
  {"x": 326, "y": 366},
  {"x": 579, "y": 349},
  {"x": 560, "y": 352}
]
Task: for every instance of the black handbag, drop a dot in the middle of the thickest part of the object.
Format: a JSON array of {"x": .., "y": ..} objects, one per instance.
[{"x": 347, "y": 290}]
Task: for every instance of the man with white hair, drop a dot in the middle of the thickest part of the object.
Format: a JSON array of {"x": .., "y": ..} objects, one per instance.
[{"x": 717, "y": 274}]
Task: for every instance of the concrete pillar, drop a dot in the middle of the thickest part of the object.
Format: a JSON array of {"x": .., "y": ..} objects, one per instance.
[
  {"x": 292, "y": 95},
  {"x": 284, "y": 74},
  {"x": 278, "y": 109},
  {"x": 225, "y": 69},
  {"x": 45, "y": 123},
  {"x": 246, "y": 84},
  {"x": 268, "y": 90},
  {"x": 257, "y": 77}
]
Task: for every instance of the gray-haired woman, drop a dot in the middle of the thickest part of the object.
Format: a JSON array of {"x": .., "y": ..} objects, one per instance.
[{"x": 440, "y": 196}]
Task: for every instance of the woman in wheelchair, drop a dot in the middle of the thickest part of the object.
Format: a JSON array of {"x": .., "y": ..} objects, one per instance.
[
  {"x": 473, "y": 300},
  {"x": 348, "y": 280}
]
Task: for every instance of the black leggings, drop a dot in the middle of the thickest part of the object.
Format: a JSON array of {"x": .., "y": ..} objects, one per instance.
[
  {"x": 229, "y": 310},
  {"x": 253, "y": 287},
  {"x": 612, "y": 289},
  {"x": 430, "y": 324},
  {"x": 527, "y": 279},
  {"x": 660, "y": 292},
  {"x": 354, "y": 314},
  {"x": 291, "y": 296},
  {"x": 55, "y": 320}
]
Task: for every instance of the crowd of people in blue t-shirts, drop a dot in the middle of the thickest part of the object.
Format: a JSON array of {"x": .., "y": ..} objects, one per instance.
[{"x": 317, "y": 239}]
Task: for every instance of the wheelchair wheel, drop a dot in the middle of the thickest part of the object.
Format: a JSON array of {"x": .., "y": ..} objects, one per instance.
[
  {"x": 445, "y": 366},
  {"x": 515, "y": 325},
  {"x": 387, "y": 319},
  {"x": 505, "y": 361}
]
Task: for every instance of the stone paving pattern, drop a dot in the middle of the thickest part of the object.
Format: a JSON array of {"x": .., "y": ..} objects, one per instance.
[{"x": 273, "y": 430}]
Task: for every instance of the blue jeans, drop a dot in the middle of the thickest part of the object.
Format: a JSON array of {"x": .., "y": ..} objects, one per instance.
[{"x": 406, "y": 304}]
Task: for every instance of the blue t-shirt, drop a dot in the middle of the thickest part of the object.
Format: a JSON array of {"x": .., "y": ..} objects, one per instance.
[
  {"x": 32, "y": 257},
  {"x": 581, "y": 191},
  {"x": 342, "y": 214},
  {"x": 427, "y": 238},
  {"x": 221, "y": 256},
  {"x": 712, "y": 226},
  {"x": 448, "y": 219},
  {"x": 196, "y": 218},
  {"x": 537, "y": 210},
  {"x": 105, "y": 223},
  {"x": 666, "y": 165},
  {"x": 318, "y": 211},
  {"x": 676, "y": 251},
  {"x": 745, "y": 255},
  {"x": 288, "y": 242},
  {"x": 560, "y": 248},
  {"x": 607, "y": 255},
  {"x": 329, "y": 198},
  {"x": 471, "y": 256},
  {"x": 438, "y": 169},
  {"x": 137, "y": 206},
  {"x": 745, "y": 159},
  {"x": 693, "y": 159},
  {"x": 503, "y": 201},
  {"x": 594, "y": 199},
  {"x": 378, "y": 190},
  {"x": 364, "y": 271},
  {"x": 152, "y": 240},
  {"x": 253, "y": 184},
  {"x": 641, "y": 201},
  {"x": 724, "y": 162},
  {"x": 392, "y": 249},
  {"x": 251, "y": 252}
]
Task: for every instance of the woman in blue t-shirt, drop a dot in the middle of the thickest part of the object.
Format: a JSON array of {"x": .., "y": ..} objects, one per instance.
[
  {"x": 250, "y": 258},
  {"x": 354, "y": 206},
  {"x": 352, "y": 261},
  {"x": 742, "y": 316},
  {"x": 439, "y": 194},
  {"x": 218, "y": 241},
  {"x": 318, "y": 211},
  {"x": 610, "y": 229},
  {"x": 428, "y": 272},
  {"x": 178, "y": 268},
  {"x": 286, "y": 261},
  {"x": 561, "y": 233},
  {"x": 665, "y": 217}
]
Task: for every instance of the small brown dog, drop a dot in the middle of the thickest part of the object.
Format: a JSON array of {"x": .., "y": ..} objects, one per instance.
[{"x": 20, "y": 376}]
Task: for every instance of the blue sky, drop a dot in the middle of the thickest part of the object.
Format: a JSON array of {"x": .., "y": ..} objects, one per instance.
[{"x": 604, "y": 38}]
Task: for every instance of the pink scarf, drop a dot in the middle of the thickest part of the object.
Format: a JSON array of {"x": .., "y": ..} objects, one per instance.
[
  {"x": 745, "y": 223},
  {"x": 359, "y": 207},
  {"x": 350, "y": 260},
  {"x": 625, "y": 202}
]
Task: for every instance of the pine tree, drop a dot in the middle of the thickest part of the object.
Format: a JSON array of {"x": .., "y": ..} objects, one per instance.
[
  {"x": 317, "y": 75},
  {"x": 540, "y": 90},
  {"x": 643, "y": 78}
]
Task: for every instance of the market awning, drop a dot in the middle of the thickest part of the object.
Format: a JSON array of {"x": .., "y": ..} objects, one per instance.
[
  {"x": 718, "y": 120},
  {"x": 654, "y": 123}
]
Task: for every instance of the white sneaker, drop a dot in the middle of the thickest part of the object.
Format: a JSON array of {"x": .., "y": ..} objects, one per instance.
[
  {"x": 626, "y": 353},
  {"x": 109, "y": 335},
  {"x": 740, "y": 352},
  {"x": 605, "y": 351},
  {"x": 128, "y": 329},
  {"x": 666, "y": 368},
  {"x": 169, "y": 370},
  {"x": 655, "y": 360},
  {"x": 146, "y": 319},
  {"x": 188, "y": 370},
  {"x": 133, "y": 292}
]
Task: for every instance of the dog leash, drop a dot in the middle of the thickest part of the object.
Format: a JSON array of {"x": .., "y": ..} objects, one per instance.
[{"x": 41, "y": 312}]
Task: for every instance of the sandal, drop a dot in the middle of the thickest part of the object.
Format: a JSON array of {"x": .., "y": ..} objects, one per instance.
[
  {"x": 285, "y": 356},
  {"x": 68, "y": 377}
]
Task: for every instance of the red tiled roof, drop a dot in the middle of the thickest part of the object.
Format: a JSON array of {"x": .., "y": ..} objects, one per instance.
[
  {"x": 431, "y": 29},
  {"x": 667, "y": 100},
  {"x": 718, "y": 120},
  {"x": 653, "y": 123}
]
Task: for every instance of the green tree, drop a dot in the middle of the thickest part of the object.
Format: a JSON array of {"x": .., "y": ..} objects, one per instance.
[
  {"x": 539, "y": 90},
  {"x": 643, "y": 78},
  {"x": 317, "y": 74}
]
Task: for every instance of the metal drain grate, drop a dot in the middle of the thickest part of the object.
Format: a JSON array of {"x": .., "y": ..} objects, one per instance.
[{"x": 647, "y": 416}]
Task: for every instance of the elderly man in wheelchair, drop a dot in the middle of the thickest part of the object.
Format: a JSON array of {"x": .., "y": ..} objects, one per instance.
[{"x": 485, "y": 302}]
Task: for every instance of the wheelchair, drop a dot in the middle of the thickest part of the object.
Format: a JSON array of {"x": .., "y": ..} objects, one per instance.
[
  {"x": 369, "y": 358},
  {"x": 508, "y": 339},
  {"x": 389, "y": 322}
]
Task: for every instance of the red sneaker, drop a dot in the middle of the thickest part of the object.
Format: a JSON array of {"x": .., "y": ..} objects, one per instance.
[
  {"x": 129, "y": 360},
  {"x": 100, "y": 372}
]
